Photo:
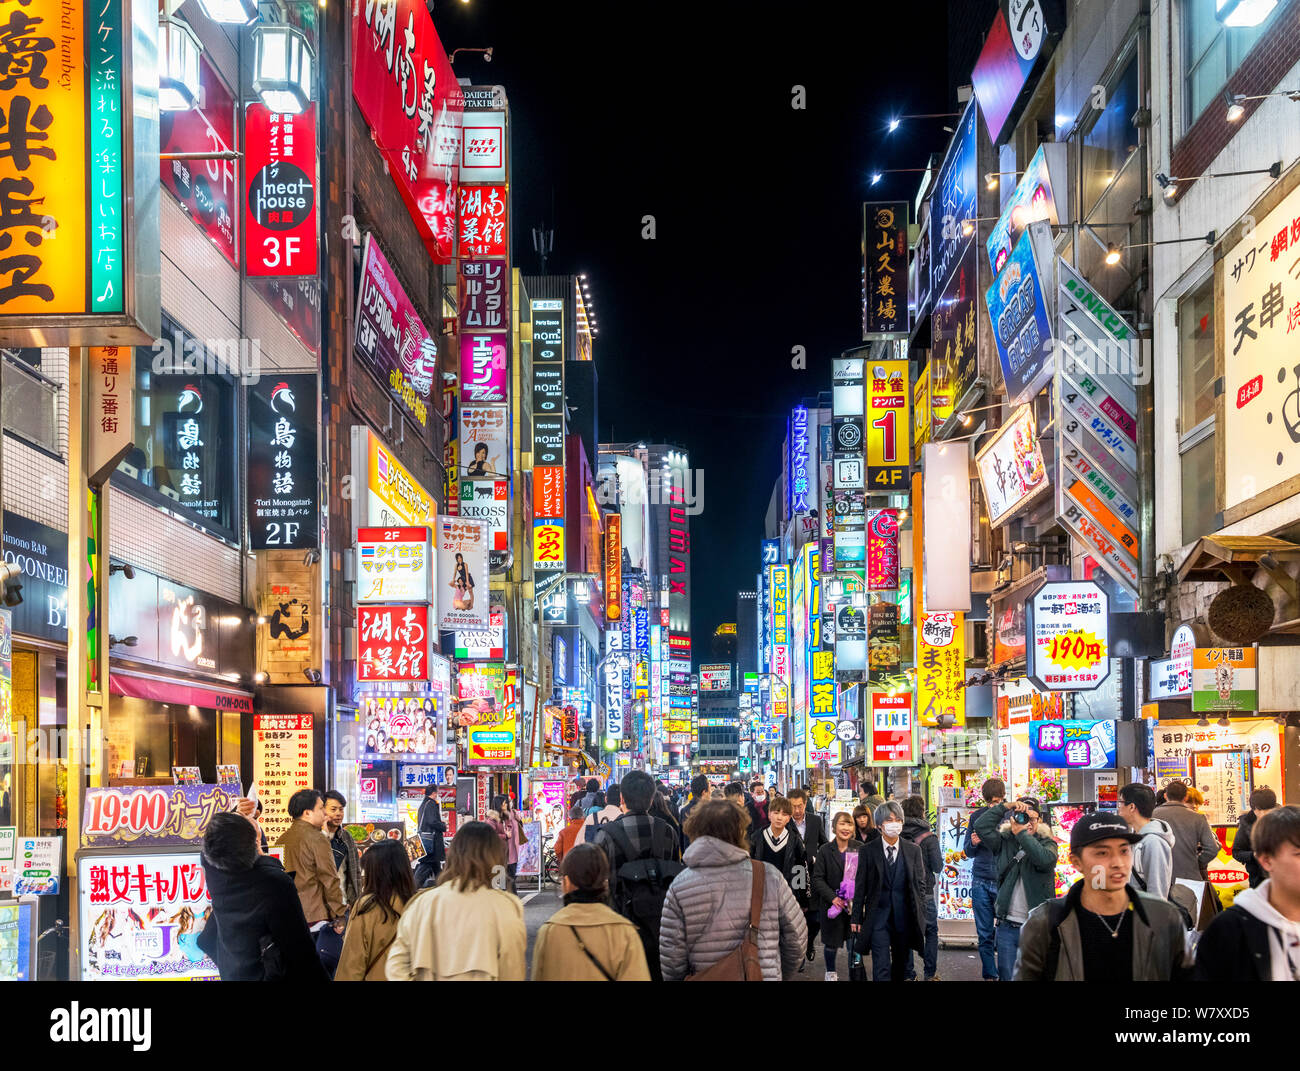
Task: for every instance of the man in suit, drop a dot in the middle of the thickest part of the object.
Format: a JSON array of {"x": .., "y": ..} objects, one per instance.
[
  {"x": 889, "y": 905},
  {"x": 810, "y": 829}
]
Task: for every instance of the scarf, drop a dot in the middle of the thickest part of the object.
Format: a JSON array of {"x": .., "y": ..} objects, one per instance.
[{"x": 777, "y": 844}]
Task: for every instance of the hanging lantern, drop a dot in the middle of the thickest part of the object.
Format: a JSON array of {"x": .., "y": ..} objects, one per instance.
[
  {"x": 282, "y": 68},
  {"x": 178, "y": 77},
  {"x": 230, "y": 12}
]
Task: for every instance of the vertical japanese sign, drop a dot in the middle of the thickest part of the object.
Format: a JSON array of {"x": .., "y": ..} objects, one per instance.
[
  {"x": 110, "y": 380},
  {"x": 946, "y": 498},
  {"x": 882, "y": 550},
  {"x": 1021, "y": 316},
  {"x": 282, "y": 764},
  {"x": 801, "y": 467},
  {"x": 941, "y": 669},
  {"x": 393, "y": 496},
  {"x": 392, "y": 644},
  {"x": 483, "y": 221},
  {"x": 485, "y": 295},
  {"x": 954, "y": 358},
  {"x": 409, "y": 96},
  {"x": 393, "y": 565},
  {"x": 820, "y": 741},
  {"x": 1261, "y": 326},
  {"x": 613, "y": 567},
  {"x": 462, "y": 568},
  {"x": 280, "y": 231},
  {"x": 283, "y": 496},
  {"x": 888, "y": 426},
  {"x": 884, "y": 260},
  {"x": 884, "y": 644},
  {"x": 778, "y": 586}
]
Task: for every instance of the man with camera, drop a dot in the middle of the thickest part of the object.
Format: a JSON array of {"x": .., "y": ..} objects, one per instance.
[{"x": 1025, "y": 854}]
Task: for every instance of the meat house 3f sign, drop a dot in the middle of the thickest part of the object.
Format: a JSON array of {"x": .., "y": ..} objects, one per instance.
[{"x": 75, "y": 261}]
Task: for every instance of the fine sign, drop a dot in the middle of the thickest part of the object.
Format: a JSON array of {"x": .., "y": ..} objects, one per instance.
[{"x": 1068, "y": 628}]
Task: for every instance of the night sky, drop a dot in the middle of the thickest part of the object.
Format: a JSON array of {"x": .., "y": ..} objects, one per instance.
[{"x": 683, "y": 112}]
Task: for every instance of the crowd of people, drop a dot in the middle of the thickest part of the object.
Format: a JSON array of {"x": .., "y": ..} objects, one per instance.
[{"x": 737, "y": 883}]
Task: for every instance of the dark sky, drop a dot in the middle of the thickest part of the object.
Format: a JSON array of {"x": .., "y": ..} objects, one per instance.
[{"x": 683, "y": 112}]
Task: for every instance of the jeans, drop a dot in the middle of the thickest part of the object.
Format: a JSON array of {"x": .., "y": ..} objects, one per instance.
[
  {"x": 1008, "y": 945},
  {"x": 930, "y": 955},
  {"x": 984, "y": 898}
]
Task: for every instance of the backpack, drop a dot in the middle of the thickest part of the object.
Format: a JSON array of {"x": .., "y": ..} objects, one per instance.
[{"x": 643, "y": 882}]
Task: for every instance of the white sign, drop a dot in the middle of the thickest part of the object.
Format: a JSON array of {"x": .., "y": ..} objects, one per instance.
[
  {"x": 1068, "y": 629},
  {"x": 615, "y": 723},
  {"x": 393, "y": 565},
  {"x": 1171, "y": 678},
  {"x": 715, "y": 678},
  {"x": 413, "y": 776},
  {"x": 947, "y": 526},
  {"x": 8, "y": 848},
  {"x": 850, "y": 473},
  {"x": 37, "y": 866},
  {"x": 1011, "y": 466},
  {"x": 483, "y": 147}
]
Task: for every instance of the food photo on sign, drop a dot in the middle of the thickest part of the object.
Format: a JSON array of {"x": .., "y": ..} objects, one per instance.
[{"x": 1011, "y": 468}]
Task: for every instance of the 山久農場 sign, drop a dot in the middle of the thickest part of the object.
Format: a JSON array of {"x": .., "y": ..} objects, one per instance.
[{"x": 1068, "y": 636}]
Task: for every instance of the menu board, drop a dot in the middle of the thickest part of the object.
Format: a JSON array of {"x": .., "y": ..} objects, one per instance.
[
  {"x": 282, "y": 761},
  {"x": 1224, "y": 778},
  {"x": 141, "y": 915},
  {"x": 953, "y": 885}
]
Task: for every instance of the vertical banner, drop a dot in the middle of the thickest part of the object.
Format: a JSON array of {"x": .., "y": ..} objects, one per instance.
[
  {"x": 778, "y": 583},
  {"x": 282, "y": 761},
  {"x": 884, "y": 270},
  {"x": 888, "y": 426},
  {"x": 283, "y": 504},
  {"x": 110, "y": 381},
  {"x": 946, "y": 557},
  {"x": 820, "y": 738},
  {"x": 882, "y": 550},
  {"x": 613, "y": 567},
  {"x": 280, "y": 232},
  {"x": 462, "y": 568},
  {"x": 941, "y": 669}
]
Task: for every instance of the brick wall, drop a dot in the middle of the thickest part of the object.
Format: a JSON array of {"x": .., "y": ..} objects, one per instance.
[{"x": 1262, "y": 71}]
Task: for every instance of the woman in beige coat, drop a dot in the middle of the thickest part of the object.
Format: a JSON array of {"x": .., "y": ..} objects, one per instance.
[
  {"x": 466, "y": 928},
  {"x": 586, "y": 940},
  {"x": 389, "y": 885}
]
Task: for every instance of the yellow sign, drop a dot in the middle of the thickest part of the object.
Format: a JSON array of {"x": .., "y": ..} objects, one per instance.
[
  {"x": 920, "y": 413},
  {"x": 888, "y": 425},
  {"x": 548, "y": 545},
  {"x": 725, "y": 630},
  {"x": 941, "y": 669},
  {"x": 393, "y": 496}
]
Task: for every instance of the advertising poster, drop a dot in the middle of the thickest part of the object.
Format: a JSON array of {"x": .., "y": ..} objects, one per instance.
[
  {"x": 1011, "y": 466},
  {"x": 485, "y": 441},
  {"x": 484, "y": 374},
  {"x": 548, "y": 545},
  {"x": 1072, "y": 745},
  {"x": 888, "y": 425},
  {"x": 393, "y": 496},
  {"x": 1224, "y": 778},
  {"x": 884, "y": 646},
  {"x": 941, "y": 669},
  {"x": 1175, "y": 742},
  {"x": 955, "y": 199},
  {"x": 953, "y": 887},
  {"x": 1223, "y": 679},
  {"x": 483, "y": 645},
  {"x": 403, "y": 725},
  {"x": 462, "y": 570},
  {"x": 141, "y": 916},
  {"x": 17, "y": 934},
  {"x": 1069, "y": 636},
  {"x": 488, "y": 501},
  {"x": 882, "y": 550},
  {"x": 715, "y": 678},
  {"x": 1022, "y": 318},
  {"x": 530, "y": 851},
  {"x": 945, "y": 499},
  {"x": 954, "y": 358},
  {"x": 393, "y": 643},
  {"x": 484, "y": 709},
  {"x": 149, "y": 817},
  {"x": 1034, "y": 199},
  {"x": 393, "y": 565},
  {"x": 282, "y": 764}
]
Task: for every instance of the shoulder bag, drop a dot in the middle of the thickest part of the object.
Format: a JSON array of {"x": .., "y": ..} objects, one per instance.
[
  {"x": 741, "y": 964},
  {"x": 587, "y": 952}
]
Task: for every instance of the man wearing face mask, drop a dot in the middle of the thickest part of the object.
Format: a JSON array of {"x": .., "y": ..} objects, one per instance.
[
  {"x": 889, "y": 899},
  {"x": 1025, "y": 854},
  {"x": 759, "y": 795}
]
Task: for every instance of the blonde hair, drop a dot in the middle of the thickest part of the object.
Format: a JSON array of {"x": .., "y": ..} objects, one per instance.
[{"x": 1195, "y": 797}]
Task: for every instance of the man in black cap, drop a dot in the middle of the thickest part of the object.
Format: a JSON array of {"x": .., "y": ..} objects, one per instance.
[{"x": 1103, "y": 929}]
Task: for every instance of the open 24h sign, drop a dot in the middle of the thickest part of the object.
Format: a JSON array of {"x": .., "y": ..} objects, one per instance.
[{"x": 1067, "y": 628}]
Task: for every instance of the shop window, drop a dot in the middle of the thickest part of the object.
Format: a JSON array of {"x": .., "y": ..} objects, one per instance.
[
  {"x": 184, "y": 457},
  {"x": 1113, "y": 137},
  {"x": 30, "y": 400},
  {"x": 1212, "y": 52},
  {"x": 1198, "y": 488},
  {"x": 1196, "y": 333}
]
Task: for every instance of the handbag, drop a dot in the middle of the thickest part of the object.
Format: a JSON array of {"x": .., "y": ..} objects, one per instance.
[{"x": 741, "y": 964}]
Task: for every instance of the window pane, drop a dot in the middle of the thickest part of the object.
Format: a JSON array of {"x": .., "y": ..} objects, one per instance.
[
  {"x": 1198, "y": 490},
  {"x": 1113, "y": 138},
  {"x": 1207, "y": 79},
  {"x": 1196, "y": 357},
  {"x": 1202, "y": 29}
]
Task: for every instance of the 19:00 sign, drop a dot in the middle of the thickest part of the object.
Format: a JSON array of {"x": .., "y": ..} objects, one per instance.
[{"x": 140, "y": 812}]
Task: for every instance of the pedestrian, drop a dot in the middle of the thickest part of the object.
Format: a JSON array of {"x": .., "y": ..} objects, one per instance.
[
  {"x": 597, "y": 804},
  {"x": 758, "y": 794},
  {"x": 510, "y": 828},
  {"x": 781, "y": 845},
  {"x": 864, "y": 827},
  {"x": 589, "y": 796},
  {"x": 889, "y": 905},
  {"x": 1026, "y": 857},
  {"x": 347, "y": 860},
  {"x": 710, "y": 908},
  {"x": 308, "y": 858},
  {"x": 1262, "y": 800},
  {"x": 1153, "y": 854},
  {"x": 916, "y": 828},
  {"x": 568, "y": 836},
  {"x": 659, "y": 809},
  {"x": 389, "y": 887},
  {"x": 430, "y": 826},
  {"x": 257, "y": 931},
  {"x": 984, "y": 880},
  {"x": 593, "y": 821},
  {"x": 735, "y": 792},
  {"x": 663, "y": 791},
  {"x": 644, "y": 854},
  {"x": 699, "y": 791},
  {"x": 467, "y": 927},
  {"x": 1103, "y": 929},
  {"x": 811, "y": 832},
  {"x": 1195, "y": 845},
  {"x": 834, "y": 882},
  {"x": 586, "y": 940},
  {"x": 1257, "y": 939}
]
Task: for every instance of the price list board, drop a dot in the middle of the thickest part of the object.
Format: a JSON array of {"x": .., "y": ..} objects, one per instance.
[{"x": 282, "y": 758}]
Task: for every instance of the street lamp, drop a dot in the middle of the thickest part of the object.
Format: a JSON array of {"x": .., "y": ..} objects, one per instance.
[
  {"x": 230, "y": 12},
  {"x": 282, "y": 68},
  {"x": 178, "y": 78}
]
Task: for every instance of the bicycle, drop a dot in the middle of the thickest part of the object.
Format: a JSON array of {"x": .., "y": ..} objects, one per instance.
[
  {"x": 45, "y": 960},
  {"x": 550, "y": 862}
]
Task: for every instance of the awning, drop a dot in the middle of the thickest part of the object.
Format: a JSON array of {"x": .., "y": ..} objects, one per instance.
[{"x": 183, "y": 693}]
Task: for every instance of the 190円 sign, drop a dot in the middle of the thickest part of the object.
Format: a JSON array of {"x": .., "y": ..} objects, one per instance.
[{"x": 1069, "y": 636}]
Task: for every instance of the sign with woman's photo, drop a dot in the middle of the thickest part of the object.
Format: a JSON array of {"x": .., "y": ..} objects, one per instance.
[{"x": 462, "y": 574}]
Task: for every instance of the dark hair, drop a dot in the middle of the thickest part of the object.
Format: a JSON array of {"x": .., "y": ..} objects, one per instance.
[
  {"x": 1278, "y": 827},
  {"x": 699, "y": 785},
  {"x": 305, "y": 799},
  {"x": 1176, "y": 791},
  {"x": 994, "y": 789},
  {"x": 863, "y": 811},
  {"x": 779, "y": 805},
  {"x": 588, "y": 868},
  {"x": 735, "y": 788},
  {"x": 337, "y": 796},
  {"x": 797, "y": 794},
  {"x": 1161, "y": 798},
  {"x": 386, "y": 876},
  {"x": 600, "y": 799},
  {"x": 480, "y": 446},
  {"x": 869, "y": 787},
  {"x": 429, "y": 790},
  {"x": 721, "y": 819},
  {"x": 593, "y": 785},
  {"x": 638, "y": 790},
  {"x": 230, "y": 842},
  {"x": 499, "y": 801},
  {"x": 472, "y": 857},
  {"x": 1264, "y": 799},
  {"x": 1140, "y": 796},
  {"x": 913, "y": 807},
  {"x": 613, "y": 795}
]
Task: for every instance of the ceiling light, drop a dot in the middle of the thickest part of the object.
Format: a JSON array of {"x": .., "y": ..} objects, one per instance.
[
  {"x": 1233, "y": 104},
  {"x": 967, "y": 227},
  {"x": 965, "y": 420},
  {"x": 230, "y": 12},
  {"x": 282, "y": 68},
  {"x": 178, "y": 77},
  {"x": 1112, "y": 254}
]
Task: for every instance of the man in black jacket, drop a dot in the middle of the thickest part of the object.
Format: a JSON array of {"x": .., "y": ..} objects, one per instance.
[
  {"x": 257, "y": 931},
  {"x": 1258, "y": 938},
  {"x": 809, "y": 828},
  {"x": 916, "y": 828},
  {"x": 1262, "y": 800},
  {"x": 430, "y": 826},
  {"x": 889, "y": 898}
]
